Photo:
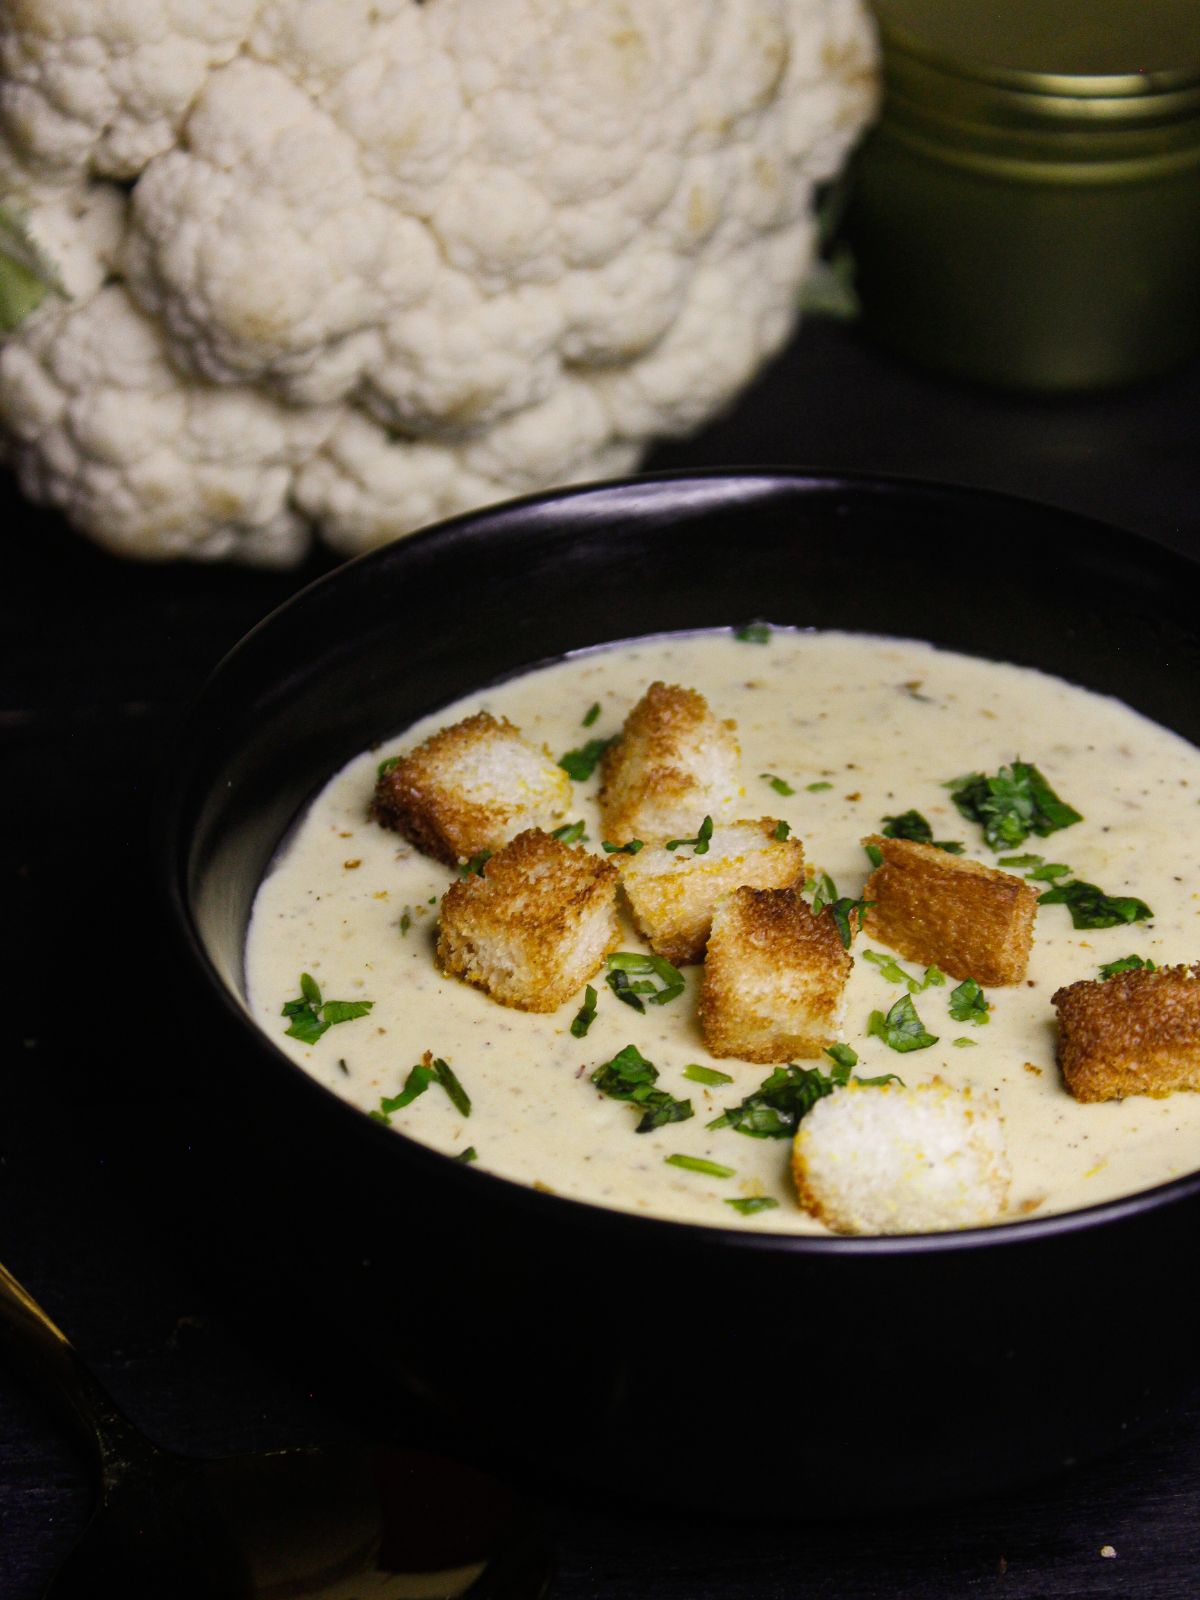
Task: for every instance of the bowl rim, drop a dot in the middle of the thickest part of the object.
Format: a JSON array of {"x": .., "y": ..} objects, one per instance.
[{"x": 177, "y": 784}]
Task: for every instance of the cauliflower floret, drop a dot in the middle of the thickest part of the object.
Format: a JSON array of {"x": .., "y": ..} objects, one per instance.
[{"x": 431, "y": 255}]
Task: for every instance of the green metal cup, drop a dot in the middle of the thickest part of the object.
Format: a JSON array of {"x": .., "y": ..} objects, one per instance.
[{"x": 1027, "y": 211}]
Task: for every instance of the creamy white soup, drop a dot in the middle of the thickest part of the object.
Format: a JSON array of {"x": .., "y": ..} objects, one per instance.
[{"x": 858, "y": 729}]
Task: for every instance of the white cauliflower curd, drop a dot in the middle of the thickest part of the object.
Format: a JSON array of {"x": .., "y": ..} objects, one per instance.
[{"x": 354, "y": 265}]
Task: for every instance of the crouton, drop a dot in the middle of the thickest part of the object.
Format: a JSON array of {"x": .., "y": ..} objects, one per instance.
[
  {"x": 1136, "y": 1033},
  {"x": 534, "y": 926},
  {"x": 774, "y": 977},
  {"x": 672, "y": 893},
  {"x": 470, "y": 787},
  {"x": 950, "y": 912},
  {"x": 889, "y": 1159},
  {"x": 673, "y": 764}
]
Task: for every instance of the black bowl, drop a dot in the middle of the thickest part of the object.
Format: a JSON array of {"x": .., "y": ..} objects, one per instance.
[{"x": 751, "y": 1370}]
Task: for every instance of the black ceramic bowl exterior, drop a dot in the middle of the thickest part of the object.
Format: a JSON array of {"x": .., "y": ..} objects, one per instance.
[{"x": 748, "y": 1370}]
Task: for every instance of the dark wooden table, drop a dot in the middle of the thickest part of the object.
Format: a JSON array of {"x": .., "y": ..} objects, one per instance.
[{"x": 98, "y": 658}]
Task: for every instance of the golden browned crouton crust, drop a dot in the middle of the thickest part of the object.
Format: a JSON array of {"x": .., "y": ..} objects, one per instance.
[
  {"x": 672, "y": 894},
  {"x": 774, "y": 977},
  {"x": 950, "y": 912},
  {"x": 468, "y": 788},
  {"x": 673, "y": 763},
  {"x": 535, "y": 926},
  {"x": 1136, "y": 1033}
]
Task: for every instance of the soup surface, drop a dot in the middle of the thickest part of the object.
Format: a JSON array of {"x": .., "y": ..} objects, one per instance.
[{"x": 859, "y": 729}]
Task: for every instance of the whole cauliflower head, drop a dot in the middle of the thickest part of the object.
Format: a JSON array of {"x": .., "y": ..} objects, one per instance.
[{"x": 272, "y": 266}]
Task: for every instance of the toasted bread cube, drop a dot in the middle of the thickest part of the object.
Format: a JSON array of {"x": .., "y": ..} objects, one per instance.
[
  {"x": 774, "y": 977},
  {"x": 673, "y": 893},
  {"x": 470, "y": 787},
  {"x": 889, "y": 1159},
  {"x": 1136, "y": 1033},
  {"x": 535, "y": 926},
  {"x": 950, "y": 912},
  {"x": 673, "y": 764}
]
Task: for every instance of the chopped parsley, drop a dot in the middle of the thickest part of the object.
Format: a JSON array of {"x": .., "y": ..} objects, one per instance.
[
  {"x": 1090, "y": 907},
  {"x": 474, "y": 867},
  {"x": 386, "y": 766},
  {"x": 591, "y": 714},
  {"x": 309, "y": 1016},
  {"x": 586, "y": 1014},
  {"x": 968, "y": 1003},
  {"x": 753, "y": 633},
  {"x": 841, "y": 911},
  {"x": 405, "y": 920},
  {"x": 912, "y": 825},
  {"x": 629, "y": 1076},
  {"x": 753, "y": 1204},
  {"x": 774, "y": 1110},
  {"x": 427, "y": 1071},
  {"x": 842, "y": 1055},
  {"x": 629, "y": 848},
  {"x": 891, "y": 969},
  {"x": 569, "y": 833},
  {"x": 824, "y": 891},
  {"x": 780, "y": 785},
  {"x": 709, "y": 1075},
  {"x": 620, "y": 985},
  {"x": 580, "y": 764},
  {"x": 649, "y": 967},
  {"x": 1110, "y": 969},
  {"x": 780, "y": 831},
  {"x": 711, "y": 1169},
  {"x": 700, "y": 843},
  {"x": 815, "y": 788},
  {"x": 1010, "y": 806},
  {"x": 901, "y": 1029},
  {"x": 964, "y": 1043},
  {"x": 468, "y": 1155},
  {"x": 874, "y": 854}
]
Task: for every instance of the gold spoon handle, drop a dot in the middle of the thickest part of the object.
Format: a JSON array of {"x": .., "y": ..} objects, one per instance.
[{"x": 46, "y": 1355}]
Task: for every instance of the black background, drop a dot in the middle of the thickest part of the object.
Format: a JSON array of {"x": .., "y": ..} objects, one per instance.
[{"x": 99, "y": 657}]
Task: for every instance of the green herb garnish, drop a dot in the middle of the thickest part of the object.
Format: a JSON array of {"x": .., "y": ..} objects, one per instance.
[
  {"x": 753, "y": 633},
  {"x": 629, "y": 848},
  {"x": 901, "y": 1029},
  {"x": 755, "y": 1203},
  {"x": 419, "y": 1078},
  {"x": 1090, "y": 907},
  {"x": 386, "y": 766},
  {"x": 968, "y": 1003},
  {"x": 780, "y": 785},
  {"x": 591, "y": 714},
  {"x": 633, "y": 962},
  {"x": 1110, "y": 969},
  {"x": 780, "y": 831},
  {"x": 569, "y": 833},
  {"x": 711, "y": 1169},
  {"x": 700, "y": 843},
  {"x": 1010, "y": 806},
  {"x": 841, "y": 911},
  {"x": 310, "y": 1016},
  {"x": 824, "y": 891},
  {"x": 842, "y": 1055},
  {"x": 620, "y": 985},
  {"x": 586, "y": 1014},
  {"x": 815, "y": 788},
  {"x": 405, "y": 921},
  {"x": 789, "y": 1093},
  {"x": 874, "y": 854},
  {"x": 709, "y": 1075},
  {"x": 629, "y": 1076},
  {"x": 580, "y": 764},
  {"x": 468, "y": 1155},
  {"x": 474, "y": 867},
  {"x": 912, "y": 825},
  {"x": 963, "y": 1043}
]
